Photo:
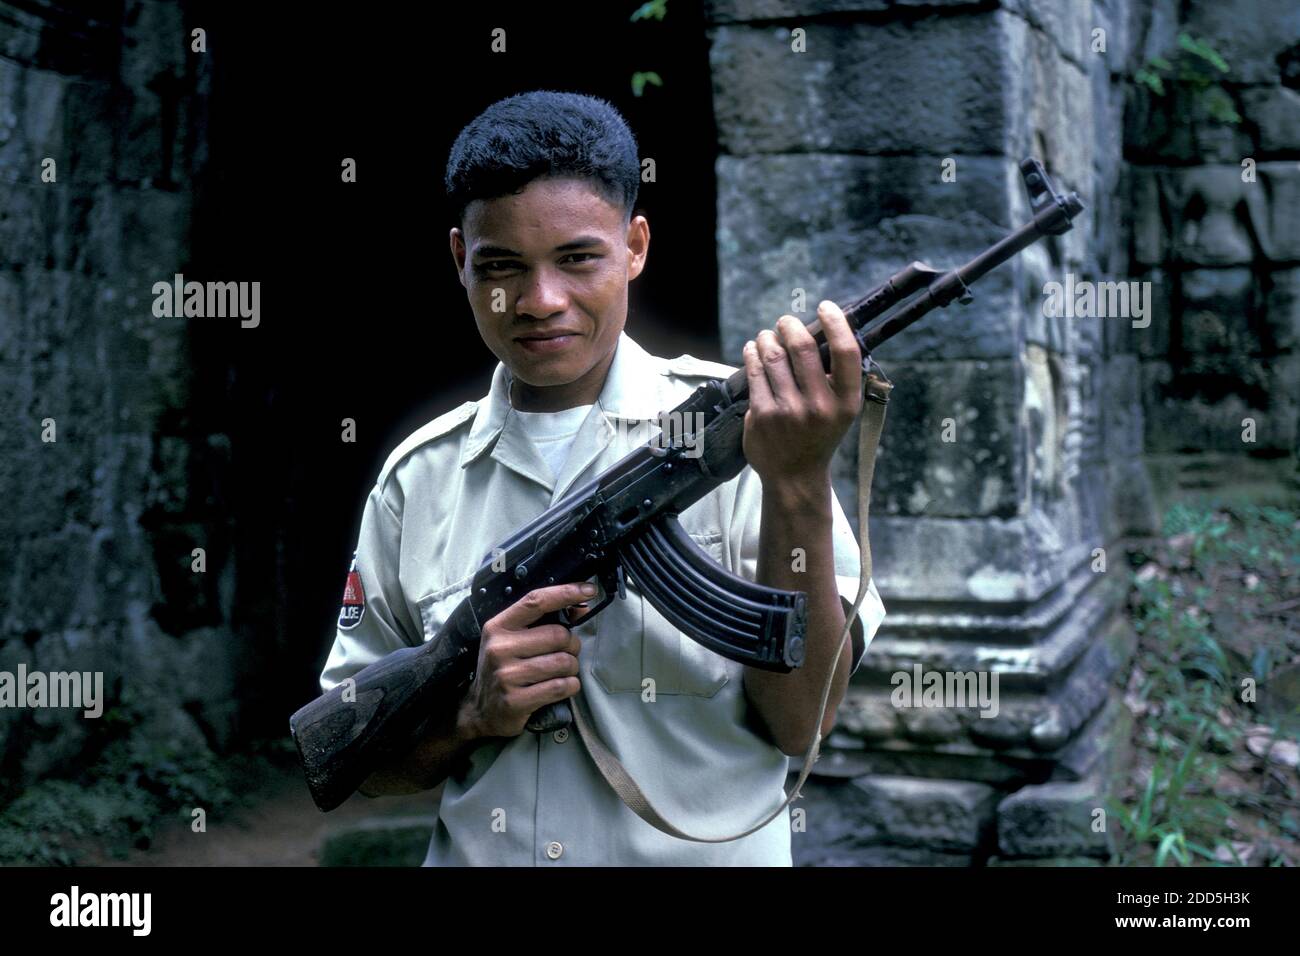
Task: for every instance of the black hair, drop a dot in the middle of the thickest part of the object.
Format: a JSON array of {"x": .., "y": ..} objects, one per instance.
[{"x": 543, "y": 133}]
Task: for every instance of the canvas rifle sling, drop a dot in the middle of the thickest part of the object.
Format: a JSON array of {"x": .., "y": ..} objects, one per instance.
[{"x": 872, "y": 422}]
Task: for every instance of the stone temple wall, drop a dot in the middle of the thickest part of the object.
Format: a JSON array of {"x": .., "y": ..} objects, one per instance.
[
  {"x": 1011, "y": 468},
  {"x": 1215, "y": 228},
  {"x": 107, "y": 484}
]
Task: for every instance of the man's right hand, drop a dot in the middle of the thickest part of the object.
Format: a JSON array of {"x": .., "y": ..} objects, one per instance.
[{"x": 521, "y": 667}]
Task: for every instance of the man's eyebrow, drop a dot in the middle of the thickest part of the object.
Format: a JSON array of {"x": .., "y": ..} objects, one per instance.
[
  {"x": 582, "y": 242},
  {"x": 496, "y": 251}
]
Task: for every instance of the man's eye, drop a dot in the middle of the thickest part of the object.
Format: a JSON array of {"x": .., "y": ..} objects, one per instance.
[
  {"x": 582, "y": 256},
  {"x": 497, "y": 265}
]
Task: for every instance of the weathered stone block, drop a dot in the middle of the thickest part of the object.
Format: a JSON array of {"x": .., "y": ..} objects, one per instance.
[
  {"x": 43, "y": 92},
  {"x": 207, "y": 682},
  {"x": 739, "y": 11},
  {"x": 29, "y": 220},
  {"x": 1179, "y": 128},
  {"x": 882, "y": 854},
  {"x": 769, "y": 99},
  {"x": 949, "y": 762},
  {"x": 1250, "y": 35},
  {"x": 12, "y": 654},
  {"x": 1054, "y": 820},
  {"x": 57, "y": 567},
  {"x": 1205, "y": 405},
  {"x": 891, "y": 821},
  {"x": 1113, "y": 16},
  {"x": 398, "y": 841},
  {"x": 13, "y": 332},
  {"x": 90, "y": 105},
  {"x": 838, "y": 226},
  {"x": 1217, "y": 308},
  {"x": 1206, "y": 205},
  {"x": 1103, "y": 746},
  {"x": 952, "y": 446},
  {"x": 1050, "y": 96},
  {"x": 936, "y": 814},
  {"x": 950, "y": 559},
  {"x": 1274, "y": 210},
  {"x": 1150, "y": 241},
  {"x": 1152, "y": 339},
  {"x": 1066, "y": 861},
  {"x": 1209, "y": 215},
  {"x": 1275, "y": 111},
  {"x": 153, "y": 226},
  {"x": 1045, "y": 692},
  {"x": 1282, "y": 312}
]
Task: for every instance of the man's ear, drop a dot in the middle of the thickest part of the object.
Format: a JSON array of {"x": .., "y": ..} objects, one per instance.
[
  {"x": 638, "y": 245},
  {"x": 457, "y": 239}
]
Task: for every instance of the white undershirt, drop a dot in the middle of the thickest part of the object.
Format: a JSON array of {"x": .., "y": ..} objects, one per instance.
[{"x": 553, "y": 433}]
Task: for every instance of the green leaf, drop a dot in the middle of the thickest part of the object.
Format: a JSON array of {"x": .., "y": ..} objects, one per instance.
[
  {"x": 639, "y": 80},
  {"x": 1144, "y": 808},
  {"x": 1201, "y": 49},
  {"x": 1171, "y": 844},
  {"x": 1221, "y": 107},
  {"x": 653, "y": 9},
  {"x": 1151, "y": 81}
]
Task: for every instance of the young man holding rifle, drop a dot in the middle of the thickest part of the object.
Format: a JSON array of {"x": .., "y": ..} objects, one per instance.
[{"x": 543, "y": 187}]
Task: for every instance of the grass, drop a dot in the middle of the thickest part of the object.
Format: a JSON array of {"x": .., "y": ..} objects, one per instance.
[{"x": 1214, "y": 604}]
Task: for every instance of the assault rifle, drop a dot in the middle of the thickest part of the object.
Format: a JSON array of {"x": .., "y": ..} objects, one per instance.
[{"x": 624, "y": 523}]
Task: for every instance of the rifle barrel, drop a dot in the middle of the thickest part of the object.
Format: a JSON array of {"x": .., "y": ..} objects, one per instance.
[{"x": 940, "y": 288}]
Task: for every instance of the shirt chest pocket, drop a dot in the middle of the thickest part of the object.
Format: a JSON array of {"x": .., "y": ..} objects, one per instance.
[
  {"x": 437, "y": 606},
  {"x": 637, "y": 650}
]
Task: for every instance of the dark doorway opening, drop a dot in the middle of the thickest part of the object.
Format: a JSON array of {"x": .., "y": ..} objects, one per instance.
[{"x": 362, "y": 316}]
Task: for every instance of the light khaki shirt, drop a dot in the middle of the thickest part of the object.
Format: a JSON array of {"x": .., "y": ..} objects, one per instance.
[{"x": 457, "y": 488}]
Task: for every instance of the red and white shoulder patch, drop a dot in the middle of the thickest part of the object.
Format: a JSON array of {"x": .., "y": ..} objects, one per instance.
[{"x": 354, "y": 599}]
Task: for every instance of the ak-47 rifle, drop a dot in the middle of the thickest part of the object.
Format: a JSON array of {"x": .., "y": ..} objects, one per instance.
[{"x": 624, "y": 522}]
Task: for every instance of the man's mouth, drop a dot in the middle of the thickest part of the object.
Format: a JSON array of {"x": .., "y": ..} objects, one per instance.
[{"x": 547, "y": 341}]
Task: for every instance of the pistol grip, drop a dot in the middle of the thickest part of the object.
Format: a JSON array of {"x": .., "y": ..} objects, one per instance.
[
  {"x": 550, "y": 718},
  {"x": 555, "y": 716}
]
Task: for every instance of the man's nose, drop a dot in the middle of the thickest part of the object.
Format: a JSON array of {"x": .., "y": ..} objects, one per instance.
[{"x": 542, "y": 296}]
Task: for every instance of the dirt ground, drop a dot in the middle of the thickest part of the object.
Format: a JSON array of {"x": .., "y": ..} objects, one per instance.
[{"x": 276, "y": 825}]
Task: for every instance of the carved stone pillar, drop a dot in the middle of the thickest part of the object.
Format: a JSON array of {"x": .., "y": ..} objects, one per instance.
[{"x": 1010, "y": 466}]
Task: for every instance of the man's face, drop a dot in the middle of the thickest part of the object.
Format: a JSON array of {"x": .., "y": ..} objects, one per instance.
[{"x": 546, "y": 271}]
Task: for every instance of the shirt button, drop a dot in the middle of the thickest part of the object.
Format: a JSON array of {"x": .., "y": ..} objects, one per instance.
[
  {"x": 561, "y": 735},
  {"x": 554, "y": 849}
]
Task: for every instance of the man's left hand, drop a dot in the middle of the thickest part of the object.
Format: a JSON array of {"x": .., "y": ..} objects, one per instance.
[{"x": 797, "y": 413}]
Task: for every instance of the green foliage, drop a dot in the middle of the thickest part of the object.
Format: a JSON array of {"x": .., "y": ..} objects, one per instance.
[
  {"x": 639, "y": 80},
  {"x": 136, "y": 784},
  {"x": 1197, "y": 67},
  {"x": 653, "y": 10},
  {"x": 1187, "y": 679},
  {"x": 1176, "y": 804},
  {"x": 1202, "y": 51}
]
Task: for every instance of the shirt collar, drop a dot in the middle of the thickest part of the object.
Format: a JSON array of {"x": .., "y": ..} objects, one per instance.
[{"x": 632, "y": 391}]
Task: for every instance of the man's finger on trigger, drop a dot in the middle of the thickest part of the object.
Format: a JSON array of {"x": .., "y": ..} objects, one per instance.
[{"x": 528, "y": 609}]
